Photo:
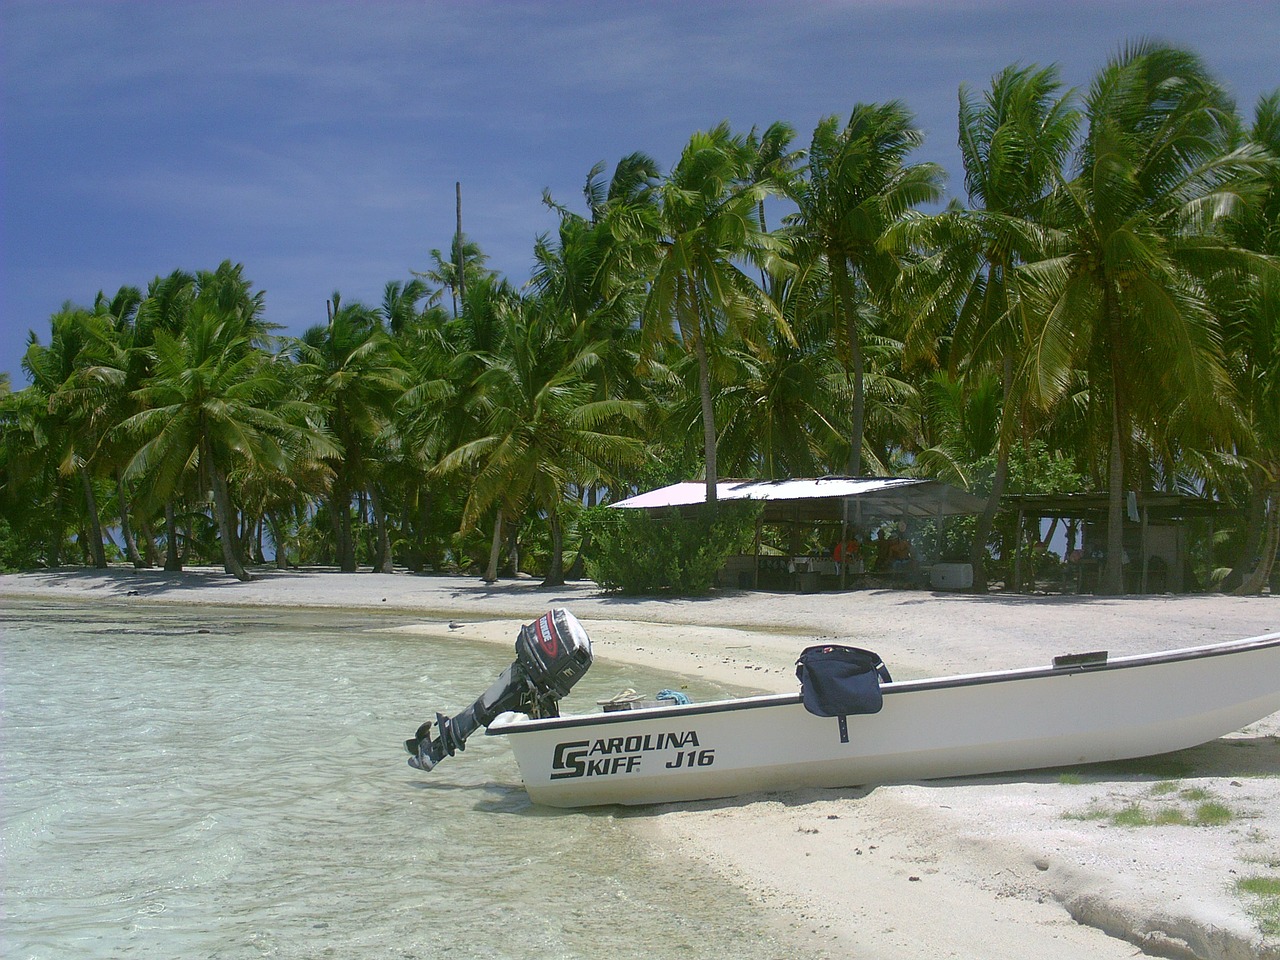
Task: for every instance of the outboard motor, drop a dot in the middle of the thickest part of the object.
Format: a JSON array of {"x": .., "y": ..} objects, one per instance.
[{"x": 552, "y": 653}]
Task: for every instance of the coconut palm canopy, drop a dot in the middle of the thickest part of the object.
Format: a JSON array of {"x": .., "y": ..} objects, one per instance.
[{"x": 1100, "y": 314}]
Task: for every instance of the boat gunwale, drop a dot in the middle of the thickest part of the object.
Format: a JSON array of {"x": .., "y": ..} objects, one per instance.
[{"x": 521, "y": 724}]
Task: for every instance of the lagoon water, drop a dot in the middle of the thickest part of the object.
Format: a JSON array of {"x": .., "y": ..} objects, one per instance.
[{"x": 202, "y": 783}]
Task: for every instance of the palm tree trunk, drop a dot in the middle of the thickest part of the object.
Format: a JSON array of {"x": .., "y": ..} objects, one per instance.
[
  {"x": 126, "y": 531},
  {"x": 978, "y": 549},
  {"x": 708, "y": 410},
  {"x": 383, "y": 562},
  {"x": 1113, "y": 572},
  {"x": 854, "y": 364},
  {"x": 57, "y": 534},
  {"x": 513, "y": 549},
  {"x": 495, "y": 549},
  {"x": 94, "y": 533},
  {"x": 222, "y": 512},
  {"x": 420, "y": 528},
  {"x": 147, "y": 539},
  {"x": 345, "y": 543},
  {"x": 1255, "y": 581},
  {"x": 172, "y": 561},
  {"x": 1255, "y": 529},
  {"x": 276, "y": 527},
  {"x": 555, "y": 572},
  {"x": 578, "y": 569}
]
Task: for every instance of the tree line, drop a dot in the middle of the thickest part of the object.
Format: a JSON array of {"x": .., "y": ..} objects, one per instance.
[{"x": 1107, "y": 301}]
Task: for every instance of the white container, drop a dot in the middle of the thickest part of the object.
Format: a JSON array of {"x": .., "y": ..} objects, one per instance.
[{"x": 951, "y": 576}]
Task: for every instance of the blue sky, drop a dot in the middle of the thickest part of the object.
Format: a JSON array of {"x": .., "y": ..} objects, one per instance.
[{"x": 318, "y": 143}]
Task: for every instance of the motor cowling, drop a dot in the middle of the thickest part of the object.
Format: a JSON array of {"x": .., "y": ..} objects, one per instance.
[{"x": 552, "y": 654}]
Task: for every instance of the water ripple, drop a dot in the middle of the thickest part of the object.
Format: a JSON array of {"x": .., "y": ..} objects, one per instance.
[{"x": 241, "y": 793}]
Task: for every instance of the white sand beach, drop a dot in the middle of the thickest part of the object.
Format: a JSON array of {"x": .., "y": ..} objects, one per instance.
[{"x": 987, "y": 867}]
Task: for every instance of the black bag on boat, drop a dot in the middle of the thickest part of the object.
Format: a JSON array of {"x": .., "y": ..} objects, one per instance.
[{"x": 838, "y": 681}]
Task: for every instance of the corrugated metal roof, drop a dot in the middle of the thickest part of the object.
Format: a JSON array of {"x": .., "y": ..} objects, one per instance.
[{"x": 821, "y": 498}]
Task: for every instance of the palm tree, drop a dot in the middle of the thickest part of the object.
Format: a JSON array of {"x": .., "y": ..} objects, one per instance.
[
  {"x": 776, "y": 417},
  {"x": 445, "y": 272},
  {"x": 704, "y": 226},
  {"x": 115, "y": 378},
  {"x": 165, "y": 307},
  {"x": 1252, "y": 346},
  {"x": 775, "y": 162},
  {"x": 66, "y": 375},
  {"x": 400, "y": 304},
  {"x": 35, "y": 498},
  {"x": 858, "y": 186},
  {"x": 210, "y": 405},
  {"x": 542, "y": 430},
  {"x": 591, "y": 274},
  {"x": 350, "y": 369},
  {"x": 1014, "y": 141},
  {"x": 1122, "y": 296}
]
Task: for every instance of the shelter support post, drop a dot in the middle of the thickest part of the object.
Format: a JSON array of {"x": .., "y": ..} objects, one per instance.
[{"x": 1017, "y": 551}]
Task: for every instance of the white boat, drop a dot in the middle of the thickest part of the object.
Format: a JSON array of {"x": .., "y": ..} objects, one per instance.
[{"x": 1082, "y": 710}]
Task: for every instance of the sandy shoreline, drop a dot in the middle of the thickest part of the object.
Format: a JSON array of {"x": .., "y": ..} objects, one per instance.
[{"x": 986, "y": 867}]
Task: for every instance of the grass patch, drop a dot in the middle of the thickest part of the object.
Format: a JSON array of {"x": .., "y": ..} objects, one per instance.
[
  {"x": 1164, "y": 787},
  {"x": 1195, "y": 794},
  {"x": 1208, "y": 813},
  {"x": 1136, "y": 815},
  {"x": 1131, "y": 816},
  {"x": 1071, "y": 778},
  {"x": 1093, "y": 813},
  {"x": 1264, "y": 893},
  {"x": 1260, "y": 886},
  {"x": 1213, "y": 814}
]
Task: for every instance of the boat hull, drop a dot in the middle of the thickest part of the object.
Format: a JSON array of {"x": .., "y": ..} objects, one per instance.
[{"x": 955, "y": 726}]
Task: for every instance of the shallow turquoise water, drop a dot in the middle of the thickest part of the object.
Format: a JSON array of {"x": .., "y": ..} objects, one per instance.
[{"x": 201, "y": 783}]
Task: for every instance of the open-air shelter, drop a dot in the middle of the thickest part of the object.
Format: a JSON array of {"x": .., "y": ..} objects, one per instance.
[
  {"x": 1155, "y": 533},
  {"x": 848, "y": 501}
]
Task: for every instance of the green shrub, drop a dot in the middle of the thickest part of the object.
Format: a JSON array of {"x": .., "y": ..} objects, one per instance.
[
  {"x": 17, "y": 552},
  {"x": 638, "y": 553}
]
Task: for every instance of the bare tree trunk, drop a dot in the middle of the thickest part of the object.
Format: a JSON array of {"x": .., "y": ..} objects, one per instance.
[{"x": 462, "y": 265}]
